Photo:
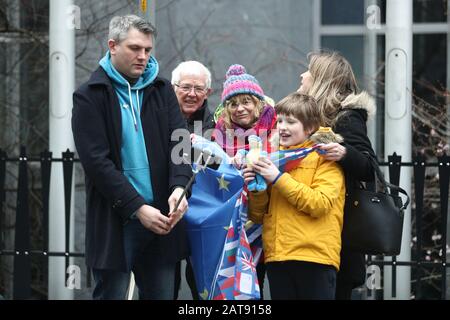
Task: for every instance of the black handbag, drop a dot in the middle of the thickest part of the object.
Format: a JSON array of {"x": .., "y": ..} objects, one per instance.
[{"x": 373, "y": 221}]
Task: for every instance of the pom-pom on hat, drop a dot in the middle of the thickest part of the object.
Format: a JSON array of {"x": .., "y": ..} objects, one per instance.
[{"x": 238, "y": 81}]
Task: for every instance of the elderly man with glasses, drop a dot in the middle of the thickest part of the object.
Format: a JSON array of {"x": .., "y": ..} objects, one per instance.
[{"x": 191, "y": 81}]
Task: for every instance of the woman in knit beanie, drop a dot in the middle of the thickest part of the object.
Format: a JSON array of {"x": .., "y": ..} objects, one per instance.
[{"x": 245, "y": 112}]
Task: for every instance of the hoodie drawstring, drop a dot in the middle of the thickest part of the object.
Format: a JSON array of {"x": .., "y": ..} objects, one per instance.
[
  {"x": 132, "y": 108},
  {"x": 137, "y": 99}
]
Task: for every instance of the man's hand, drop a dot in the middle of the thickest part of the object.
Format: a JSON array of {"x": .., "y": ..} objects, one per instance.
[
  {"x": 175, "y": 216},
  {"x": 152, "y": 219}
]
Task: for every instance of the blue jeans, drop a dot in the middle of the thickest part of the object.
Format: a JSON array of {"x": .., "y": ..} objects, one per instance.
[{"x": 154, "y": 278}]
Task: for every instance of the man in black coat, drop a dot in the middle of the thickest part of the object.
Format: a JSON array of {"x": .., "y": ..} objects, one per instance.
[{"x": 122, "y": 123}]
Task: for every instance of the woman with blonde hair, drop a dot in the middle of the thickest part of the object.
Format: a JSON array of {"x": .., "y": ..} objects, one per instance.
[
  {"x": 245, "y": 112},
  {"x": 331, "y": 81}
]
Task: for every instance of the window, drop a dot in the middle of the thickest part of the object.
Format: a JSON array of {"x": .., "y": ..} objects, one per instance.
[
  {"x": 342, "y": 12},
  {"x": 3, "y": 17},
  {"x": 429, "y": 77},
  {"x": 34, "y": 15},
  {"x": 24, "y": 71},
  {"x": 3, "y": 110},
  {"x": 429, "y": 11},
  {"x": 343, "y": 29}
]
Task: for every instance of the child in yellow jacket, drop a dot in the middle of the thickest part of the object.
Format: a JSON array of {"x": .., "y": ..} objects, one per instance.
[{"x": 302, "y": 210}]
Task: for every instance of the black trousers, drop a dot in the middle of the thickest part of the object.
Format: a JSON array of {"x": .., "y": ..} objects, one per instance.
[
  {"x": 352, "y": 274},
  {"x": 301, "y": 280},
  {"x": 190, "y": 279},
  {"x": 261, "y": 273}
]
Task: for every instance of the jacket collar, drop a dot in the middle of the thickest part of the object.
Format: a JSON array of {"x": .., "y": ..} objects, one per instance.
[
  {"x": 362, "y": 101},
  {"x": 99, "y": 77},
  {"x": 199, "y": 114},
  {"x": 305, "y": 144}
]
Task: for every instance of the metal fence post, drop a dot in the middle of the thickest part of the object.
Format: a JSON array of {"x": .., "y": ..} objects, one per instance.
[
  {"x": 419, "y": 186},
  {"x": 67, "y": 158},
  {"x": 394, "y": 178},
  {"x": 444, "y": 175},
  {"x": 22, "y": 261},
  {"x": 2, "y": 196}
]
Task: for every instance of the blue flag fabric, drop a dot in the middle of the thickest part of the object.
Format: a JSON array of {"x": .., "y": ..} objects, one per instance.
[{"x": 211, "y": 208}]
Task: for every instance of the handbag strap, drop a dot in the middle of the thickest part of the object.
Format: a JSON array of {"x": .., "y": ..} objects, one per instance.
[{"x": 380, "y": 176}]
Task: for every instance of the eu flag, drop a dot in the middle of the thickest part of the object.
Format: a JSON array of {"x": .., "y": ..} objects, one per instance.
[{"x": 212, "y": 207}]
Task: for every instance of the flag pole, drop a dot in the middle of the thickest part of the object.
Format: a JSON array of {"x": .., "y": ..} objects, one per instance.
[{"x": 198, "y": 167}]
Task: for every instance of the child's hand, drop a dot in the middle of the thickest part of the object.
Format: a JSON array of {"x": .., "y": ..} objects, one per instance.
[
  {"x": 248, "y": 174},
  {"x": 266, "y": 168}
]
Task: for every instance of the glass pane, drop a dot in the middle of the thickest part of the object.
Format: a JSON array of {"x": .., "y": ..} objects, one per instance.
[
  {"x": 380, "y": 80},
  {"x": 429, "y": 67},
  {"x": 34, "y": 15},
  {"x": 429, "y": 93},
  {"x": 3, "y": 17},
  {"x": 343, "y": 12},
  {"x": 34, "y": 104},
  {"x": 430, "y": 10},
  {"x": 3, "y": 107},
  {"x": 382, "y": 5}
]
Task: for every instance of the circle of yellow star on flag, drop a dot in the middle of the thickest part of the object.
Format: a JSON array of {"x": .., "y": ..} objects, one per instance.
[{"x": 223, "y": 184}]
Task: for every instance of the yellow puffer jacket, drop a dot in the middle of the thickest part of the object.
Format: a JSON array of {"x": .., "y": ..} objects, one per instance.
[{"x": 303, "y": 219}]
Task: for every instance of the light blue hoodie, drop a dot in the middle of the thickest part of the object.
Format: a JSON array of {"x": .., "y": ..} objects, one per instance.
[{"x": 133, "y": 151}]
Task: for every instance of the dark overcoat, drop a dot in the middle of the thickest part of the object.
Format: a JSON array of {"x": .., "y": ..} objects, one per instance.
[
  {"x": 110, "y": 197},
  {"x": 351, "y": 124}
]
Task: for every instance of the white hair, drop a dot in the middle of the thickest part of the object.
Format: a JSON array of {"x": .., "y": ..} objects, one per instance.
[
  {"x": 191, "y": 68},
  {"x": 120, "y": 25}
]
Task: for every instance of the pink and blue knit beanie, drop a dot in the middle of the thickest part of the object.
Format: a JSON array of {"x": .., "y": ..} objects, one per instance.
[{"x": 239, "y": 82}]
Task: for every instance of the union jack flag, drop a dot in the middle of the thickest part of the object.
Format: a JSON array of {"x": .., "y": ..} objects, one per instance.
[{"x": 236, "y": 278}]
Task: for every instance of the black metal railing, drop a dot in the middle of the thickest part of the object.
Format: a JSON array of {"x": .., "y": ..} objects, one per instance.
[
  {"x": 419, "y": 165},
  {"x": 22, "y": 251}
]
